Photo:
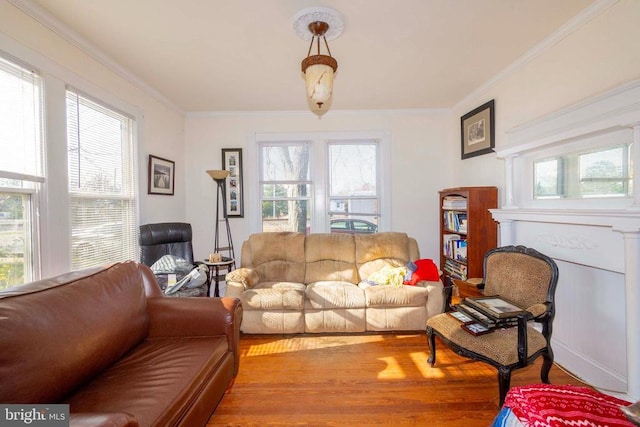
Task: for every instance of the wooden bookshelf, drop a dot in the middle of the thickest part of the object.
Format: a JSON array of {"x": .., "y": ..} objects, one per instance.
[{"x": 467, "y": 231}]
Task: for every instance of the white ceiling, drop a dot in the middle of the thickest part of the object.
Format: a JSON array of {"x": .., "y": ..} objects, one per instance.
[{"x": 234, "y": 55}]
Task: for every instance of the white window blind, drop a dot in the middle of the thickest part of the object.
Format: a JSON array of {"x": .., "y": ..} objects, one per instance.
[
  {"x": 21, "y": 169},
  {"x": 102, "y": 184}
]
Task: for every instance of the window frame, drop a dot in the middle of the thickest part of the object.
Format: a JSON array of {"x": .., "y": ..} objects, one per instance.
[{"x": 32, "y": 183}]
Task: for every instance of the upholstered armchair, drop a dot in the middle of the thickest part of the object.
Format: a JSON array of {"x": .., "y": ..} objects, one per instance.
[{"x": 528, "y": 279}]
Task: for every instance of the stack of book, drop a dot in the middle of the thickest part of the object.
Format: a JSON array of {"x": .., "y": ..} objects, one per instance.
[
  {"x": 454, "y": 202},
  {"x": 455, "y": 270},
  {"x": 481, "y": 315}
]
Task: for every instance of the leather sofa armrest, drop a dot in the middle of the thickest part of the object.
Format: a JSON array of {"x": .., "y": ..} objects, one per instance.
[
  {"x": 239, "y": 280},
  {"x": 102, "y": 419},
  {"x": 182, "y": 317}
]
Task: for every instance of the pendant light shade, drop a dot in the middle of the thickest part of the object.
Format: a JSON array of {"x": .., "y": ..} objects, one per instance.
[
  {"x": 319, "y": 68},
  {"x": 319, "y": 71}
]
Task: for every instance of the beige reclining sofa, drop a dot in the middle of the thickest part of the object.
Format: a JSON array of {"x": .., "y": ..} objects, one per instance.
[{"x": 292, "y": 283}]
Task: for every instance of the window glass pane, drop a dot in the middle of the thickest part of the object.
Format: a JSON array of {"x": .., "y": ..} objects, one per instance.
[
  {"x": 101, "y": 183},
  {"x": 353, "y": 169},
  {"x": 604, "y": 173},
  {"x": 547, "y": 178},
  {"x": 20, "y": 130},
  {"x": 285, "y": 215},
  {"x": 285, "y": 162},
  {"x": 15, "y": 244},
  {"x": 601, "y": 173}
]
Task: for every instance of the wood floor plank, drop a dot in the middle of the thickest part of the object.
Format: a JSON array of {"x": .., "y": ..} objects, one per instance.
[{"x": 362, "y": 380}]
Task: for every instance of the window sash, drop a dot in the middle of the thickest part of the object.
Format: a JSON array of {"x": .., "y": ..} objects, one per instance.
[
  {"x": 21, "y": 169},
  {"x": 101, "y": 183}
]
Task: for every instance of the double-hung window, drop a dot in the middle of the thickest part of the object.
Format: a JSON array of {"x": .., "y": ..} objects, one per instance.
[
  {"x": 323, "y": 184},
  {"x": 353, "y": 186},
  {"x": 21, "y": 170},
  {"x": 102, "y": 184}
]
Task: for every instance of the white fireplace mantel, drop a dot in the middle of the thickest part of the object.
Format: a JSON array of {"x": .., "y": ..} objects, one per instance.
[{"x": 593, "y": 235}]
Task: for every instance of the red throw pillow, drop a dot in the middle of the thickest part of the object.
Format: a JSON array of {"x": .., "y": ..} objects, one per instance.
[{"x": 426, "y": 270}]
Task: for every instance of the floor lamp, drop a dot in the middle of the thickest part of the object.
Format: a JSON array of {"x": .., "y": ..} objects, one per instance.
[{"x": 220, "y": 176}]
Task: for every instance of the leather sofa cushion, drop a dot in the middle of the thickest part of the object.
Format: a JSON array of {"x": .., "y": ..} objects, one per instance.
[
  {"x": 390, "y": 296},
  {"x": 331, "y": 295},
  {"x": 107, "y": 316},
  {"x": 274, "y": 296},
  {"x": 330, "y": 256},
  {"x": 159, "y": 373},
  {"x": 276, "y": 256}
]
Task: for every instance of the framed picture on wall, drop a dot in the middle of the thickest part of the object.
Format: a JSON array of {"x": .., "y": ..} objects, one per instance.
[
  {"x": 477, "y": 131},
  {"x": 232, "y": 161},
  {"x": 161, "y": 176}
]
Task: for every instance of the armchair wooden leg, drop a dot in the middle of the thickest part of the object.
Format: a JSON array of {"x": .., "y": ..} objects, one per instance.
[
  {"x": 547, "y": 363},
  {"x": 504, "y": 383},
  {"x": 431, "y": 338}
]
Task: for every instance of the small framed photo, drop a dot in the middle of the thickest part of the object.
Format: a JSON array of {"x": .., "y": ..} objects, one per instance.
[
  {"x": 462, "y": 317},
  {"x": 477, "y": 131},
  {"x": 161, "y": 176},
  {"x": 232, "y": 161}
]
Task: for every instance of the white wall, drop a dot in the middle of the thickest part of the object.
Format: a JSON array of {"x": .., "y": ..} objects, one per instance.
[
  {"x": 418, "y": 142},
  {"x": 162, "y": 126}
]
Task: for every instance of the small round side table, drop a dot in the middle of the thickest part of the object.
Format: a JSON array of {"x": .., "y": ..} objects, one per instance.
[{"x": 226, "y": 265}]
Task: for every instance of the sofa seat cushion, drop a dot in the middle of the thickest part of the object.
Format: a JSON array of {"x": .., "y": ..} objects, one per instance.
[
  {"x": 274, "y": 296},
  {"x": 391, "y": 296},
  {"x": 158, "y": 379},
  {"x": 333, "y": 294}
]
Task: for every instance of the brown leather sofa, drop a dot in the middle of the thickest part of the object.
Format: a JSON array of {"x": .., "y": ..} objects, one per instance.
[{"x": 108, "y": 343}]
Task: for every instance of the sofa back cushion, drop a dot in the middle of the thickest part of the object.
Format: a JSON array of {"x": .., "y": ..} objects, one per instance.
[
  {"x": 276, "y": 256},
  {"x": 58, "y": 333},
  {"x": 374, "y": 251},
  {"x": 330, "y": 256}
]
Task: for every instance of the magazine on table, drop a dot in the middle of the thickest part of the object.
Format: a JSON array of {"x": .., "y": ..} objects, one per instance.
[{"x": 490, "y": 322}]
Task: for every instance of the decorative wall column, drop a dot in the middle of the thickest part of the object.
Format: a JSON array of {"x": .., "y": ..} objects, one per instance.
[
  {"x": 509, "y": 184},
  {"x": 635, "y": 160},
  {"x": 632, "y": 305}
]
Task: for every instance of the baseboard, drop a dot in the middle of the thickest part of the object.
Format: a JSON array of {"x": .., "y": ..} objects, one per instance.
[{"x": 589, "y": 371}]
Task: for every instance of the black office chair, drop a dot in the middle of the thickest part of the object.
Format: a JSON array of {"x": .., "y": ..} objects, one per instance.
[{"x": 169, "y": 238}]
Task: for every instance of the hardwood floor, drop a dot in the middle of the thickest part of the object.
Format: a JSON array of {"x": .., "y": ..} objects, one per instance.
[{"x": 361, "y": 380}]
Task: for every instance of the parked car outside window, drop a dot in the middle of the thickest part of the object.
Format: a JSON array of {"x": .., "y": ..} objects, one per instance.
[{"x": 349, "y": 225}]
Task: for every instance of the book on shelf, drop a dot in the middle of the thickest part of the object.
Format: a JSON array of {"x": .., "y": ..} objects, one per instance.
[
  {"x": 455, "y": 269},
  {"x": 495, "y": 306},
  {"x": 455, "y": 221},
  {"x": 454, "y": 202}
]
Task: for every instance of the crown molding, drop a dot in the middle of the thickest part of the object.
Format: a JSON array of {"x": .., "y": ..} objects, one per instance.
[
  {"x": 554, "y": 38},
  {"x": 307, "y": 113},
  {"x": 75, "y": 39}
]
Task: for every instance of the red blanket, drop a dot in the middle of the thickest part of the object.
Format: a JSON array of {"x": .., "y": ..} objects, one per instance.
[{"x": 547, "y": 405}]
